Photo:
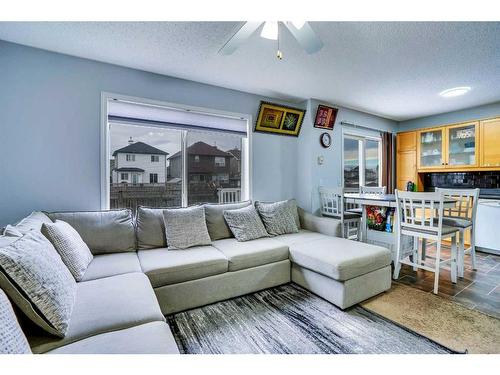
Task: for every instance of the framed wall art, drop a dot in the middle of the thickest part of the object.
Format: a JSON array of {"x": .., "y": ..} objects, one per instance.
[
  {"x": 325, "y": 117},
  {"x": 279, "y": 119}
]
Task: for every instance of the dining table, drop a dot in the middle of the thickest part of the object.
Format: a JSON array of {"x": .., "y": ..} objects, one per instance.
[{"x": 386, "y": 239}]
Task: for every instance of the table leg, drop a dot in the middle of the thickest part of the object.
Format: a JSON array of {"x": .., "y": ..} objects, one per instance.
[{"x": 364, "y": 225}]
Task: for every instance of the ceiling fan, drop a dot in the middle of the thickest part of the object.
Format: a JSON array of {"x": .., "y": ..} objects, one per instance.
[{"x": 302, "y": 32}]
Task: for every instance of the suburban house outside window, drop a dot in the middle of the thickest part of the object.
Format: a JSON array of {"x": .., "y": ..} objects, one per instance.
[
  {"x": 158, "y": 165},
  {"x": 362, "y": 159}
]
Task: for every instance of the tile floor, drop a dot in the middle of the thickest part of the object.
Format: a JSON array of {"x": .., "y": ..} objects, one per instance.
[{"x": 479, "y": 289}]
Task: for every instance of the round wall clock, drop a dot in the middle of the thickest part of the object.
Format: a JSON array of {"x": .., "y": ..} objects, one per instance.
[{"x": 325, "y": 139}]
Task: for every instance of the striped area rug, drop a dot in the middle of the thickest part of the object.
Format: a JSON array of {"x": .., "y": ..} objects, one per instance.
[{"x": 290, "y": 320}]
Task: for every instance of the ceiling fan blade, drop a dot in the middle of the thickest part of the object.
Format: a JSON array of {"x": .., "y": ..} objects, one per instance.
[
  {"x": 306, "y": 37},
  {"x": 239, "y": 37}
]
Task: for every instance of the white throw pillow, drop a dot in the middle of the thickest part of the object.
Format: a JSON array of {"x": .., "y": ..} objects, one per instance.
[
  {"x": 12, "y": 338},
  {"x": 74, "y": 252},
  {"x": 37, "y": 281},
  {"x": 186, "y": 227}
]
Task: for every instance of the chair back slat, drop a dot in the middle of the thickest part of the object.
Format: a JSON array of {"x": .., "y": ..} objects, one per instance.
[
  {"x": 466, "y": 203},
  {"x": 332, "y": 201},
  {"x": 372, "y": 190},
  {"x": 422, "y": 212}
]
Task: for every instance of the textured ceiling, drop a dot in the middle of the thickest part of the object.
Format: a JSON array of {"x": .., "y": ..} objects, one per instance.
[{"x": 395, "y": 70}]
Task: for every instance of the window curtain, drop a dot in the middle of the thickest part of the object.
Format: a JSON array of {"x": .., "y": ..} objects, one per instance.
[{"x": 388, "y": 162}]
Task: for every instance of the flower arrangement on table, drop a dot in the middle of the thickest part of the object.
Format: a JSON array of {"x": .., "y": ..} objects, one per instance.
[{"x": 376, "y": 218}]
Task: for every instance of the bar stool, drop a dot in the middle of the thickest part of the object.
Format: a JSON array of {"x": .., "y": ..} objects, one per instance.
[
  {"x": 412, "y": 221},
  {"x": 461, "y": 217},
  {"x": 332, "y": 205}
]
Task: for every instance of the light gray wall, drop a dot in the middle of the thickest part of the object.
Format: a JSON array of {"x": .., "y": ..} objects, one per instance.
[
  {"x": 474, "y": 113},
  {"x": 311, "y": 175},
  {"x": 49, "y": 129}
]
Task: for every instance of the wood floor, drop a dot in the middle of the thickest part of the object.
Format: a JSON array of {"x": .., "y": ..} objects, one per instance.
[{"x": 478, "y": 289}]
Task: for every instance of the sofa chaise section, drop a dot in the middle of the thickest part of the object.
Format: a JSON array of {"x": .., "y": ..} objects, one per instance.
[{"x": 105, "y": 305}]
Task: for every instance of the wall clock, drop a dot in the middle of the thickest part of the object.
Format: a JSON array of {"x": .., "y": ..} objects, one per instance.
[{"x": 325, "y": 139}]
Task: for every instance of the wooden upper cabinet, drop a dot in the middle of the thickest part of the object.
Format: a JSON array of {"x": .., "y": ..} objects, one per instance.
[
  {"x": 406, "y": 141},
  {"x": 431, "y": 148},
  {"x": 462, "y": 145},
  {"x": 490, "y": 143}
]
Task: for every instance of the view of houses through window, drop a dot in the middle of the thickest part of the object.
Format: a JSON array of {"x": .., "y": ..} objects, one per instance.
[
  {"x": 147, "y": 166},
  {"x": 361, "y": 161}
]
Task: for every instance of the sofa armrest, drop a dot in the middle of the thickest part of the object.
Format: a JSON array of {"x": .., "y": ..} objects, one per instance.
[{"x": 324, "y": 225}]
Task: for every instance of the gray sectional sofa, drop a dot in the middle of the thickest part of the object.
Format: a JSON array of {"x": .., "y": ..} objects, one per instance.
[{"x": 133, "y": 280}]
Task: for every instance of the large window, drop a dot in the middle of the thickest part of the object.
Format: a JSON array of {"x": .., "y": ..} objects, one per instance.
[
  {"x": 166, "y": 164},
  {"x": 361, "y": 157}
]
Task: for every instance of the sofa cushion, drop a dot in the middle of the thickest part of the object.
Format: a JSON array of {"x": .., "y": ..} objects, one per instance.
[
  {"x": 32, "y": 221},
  {"x": 245, "y": 223},
  {"x": 339, "y": 258},
  {"x": 105, "y": 305},
  {"x": 164, "y": 267},
  {"x": 103, "y": 231},
  {"x": 150, "y": 228},
  {"x": 186, "y": 227},
  {"x": 74, "y": 252},
  {"x": 106, "y": 265},
  {"x": 278, "y": 217},
  {"x": 301, "y": 236},
  {"x": 38, "y": 282},
  {"x": 12, "y": 339},
  {"x": 149, "y": 338},
  {"x": 250, "y": 254},
  {"x": 216, "y": 224}
]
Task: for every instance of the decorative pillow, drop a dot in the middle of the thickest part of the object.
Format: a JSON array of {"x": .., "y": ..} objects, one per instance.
[
  {"x": 74, "y": 252},
  {"x": 186, "y": 227},
  {"x": 33, "y": 221},
  {"x": 245, "y": 224},
  {"x": 150, "y": 228},
  {"x": 278, "y": 217},
  {"x": 214, "y": 215},
  {"x": 11, "y": 231},
  {"x": 38, "y": 282},
  {"x": 12, "y": 339}
]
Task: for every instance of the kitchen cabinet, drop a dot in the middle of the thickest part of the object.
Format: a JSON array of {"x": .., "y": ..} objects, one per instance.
[
  {"x": 490, "y": 143},
  {"x": 431, "y": 148},
  {"x": 462, "y": 146},
  {"x": 406, "y": 159}
]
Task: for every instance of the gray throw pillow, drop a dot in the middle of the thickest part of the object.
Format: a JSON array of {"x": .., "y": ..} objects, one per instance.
[
  {"x": 12, "y": 338},
  {"x": 214, "y": 215},
  {"x": 245, "y": 224},
  {"x": 150, "y": 228},
  {"x": 278, "y": 217},
  {"x": 186, "y": 227},
  {"x": 74, "y": 252},
  {"x": 37, "y": 281}
]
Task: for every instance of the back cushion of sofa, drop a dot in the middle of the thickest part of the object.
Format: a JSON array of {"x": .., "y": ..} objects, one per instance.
[
  {"x": 150, "y": 228},
  {"x": 103, "y": 231},
  {"x": 214, "y": 216}
]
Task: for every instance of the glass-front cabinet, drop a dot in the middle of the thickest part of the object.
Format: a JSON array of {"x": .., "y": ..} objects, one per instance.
[
  {"x": 448, "y": 147},
  {"x": 462, "y": 145},
  {"x": 431, "y": 148}
]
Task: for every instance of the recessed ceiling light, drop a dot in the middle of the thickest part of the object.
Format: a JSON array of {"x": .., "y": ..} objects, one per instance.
[
  {"x": 456, "y": 91},
  {"x": 270, "y": 30}
]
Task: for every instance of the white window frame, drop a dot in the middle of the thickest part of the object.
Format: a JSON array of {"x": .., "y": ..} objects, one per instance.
[
  {"x": 220, "y": 161},
  {"x": 129, "y": 157},
  {"x": 155, "y": 158},
  {"x": 150, "y": 177},
  {"x": 123, "y": 174},
  {"x": 362, "y": 137},
  {"x": 246, "y": 152}
]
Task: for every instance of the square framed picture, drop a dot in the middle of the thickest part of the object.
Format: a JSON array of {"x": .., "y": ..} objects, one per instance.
[
  {"x": 279, "y": 119},
  {"x": 325, "y": 117}
]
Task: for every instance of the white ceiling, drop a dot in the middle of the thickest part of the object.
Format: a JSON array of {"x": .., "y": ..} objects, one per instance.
[{"x": 395, "y": 70}]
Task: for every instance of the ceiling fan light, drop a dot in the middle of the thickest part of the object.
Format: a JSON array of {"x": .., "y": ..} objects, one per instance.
[
  {"x": 298, "y": 24},
  {"x": 270, "y": 30}
]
